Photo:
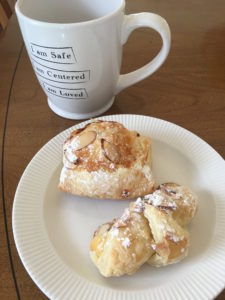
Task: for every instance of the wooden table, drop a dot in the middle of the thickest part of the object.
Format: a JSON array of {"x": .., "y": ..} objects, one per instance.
[{"x": 189, "y": 90}]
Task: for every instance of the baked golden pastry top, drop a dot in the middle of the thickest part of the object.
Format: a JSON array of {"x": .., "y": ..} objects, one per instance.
[
  {"x": 171, "y": 241},
  {"x": 122, "y": 246},
  {"x": 106, "y": 160},
  {"x": 177, "y": 200},
  {"x": 105, "y": 145}
]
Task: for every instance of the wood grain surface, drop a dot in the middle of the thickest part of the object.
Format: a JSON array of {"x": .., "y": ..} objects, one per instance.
[{"x": 189, "y": 90}]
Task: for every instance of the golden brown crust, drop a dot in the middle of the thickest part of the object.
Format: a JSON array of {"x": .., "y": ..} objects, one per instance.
[
  {"x": 127, "y": 144},
  {"x": 106, "y": 160},
  {"x": 171, "y": 241},
  {"x": 151, "y": 231},
  {"x": 176, "y": 200},
  {"x": 121, "y": 247}
]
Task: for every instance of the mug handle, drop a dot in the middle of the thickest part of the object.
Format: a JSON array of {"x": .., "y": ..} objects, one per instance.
[{"x": 131, "y": 22}]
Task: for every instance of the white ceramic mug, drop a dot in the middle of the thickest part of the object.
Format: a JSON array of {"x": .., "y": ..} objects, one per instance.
[{"x": 75, "y": 47}]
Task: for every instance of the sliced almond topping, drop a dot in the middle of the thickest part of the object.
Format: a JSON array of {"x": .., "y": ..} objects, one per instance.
[
  {"x": 83, "y": 140},
  {"x": 110, "y": 151}
]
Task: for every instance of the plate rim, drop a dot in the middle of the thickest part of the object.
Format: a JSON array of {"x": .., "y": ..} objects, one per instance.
[{"x": 65, "y": 132}]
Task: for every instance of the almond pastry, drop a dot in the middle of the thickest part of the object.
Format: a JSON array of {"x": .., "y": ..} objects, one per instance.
[{"x": 106, "y": 160}]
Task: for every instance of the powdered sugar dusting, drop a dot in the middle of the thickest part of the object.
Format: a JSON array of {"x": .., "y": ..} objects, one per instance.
[
  {"x": 75, "y": 143},
  {"x": 114, "y": 231},
  {"x": 138, "y": 205},
  {"x": 147, "y": 172},
  {"x": 160, "y": 199},
  {"x": 70, "y": 155},
  {"x": 178, "y": 192},
  {"x": 126, "y": 242},
  {"x": 174, "y": 237},
  {"x": 124, "y": 219},
  {"x": 154, "y": 247},
  {"x": 112, "y": 166},
  {"x": 126, "y": 215},
  {"x": 155, "y": 199}
]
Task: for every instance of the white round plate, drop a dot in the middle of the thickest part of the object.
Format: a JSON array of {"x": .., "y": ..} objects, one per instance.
[{"x": 52, "y": 230}]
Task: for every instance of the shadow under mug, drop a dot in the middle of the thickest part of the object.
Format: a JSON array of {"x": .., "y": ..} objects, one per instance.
[{"x": 75, "y": 48}]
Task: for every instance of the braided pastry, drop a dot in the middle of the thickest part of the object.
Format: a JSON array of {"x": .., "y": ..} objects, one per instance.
[{"x": 151, "y": 230}]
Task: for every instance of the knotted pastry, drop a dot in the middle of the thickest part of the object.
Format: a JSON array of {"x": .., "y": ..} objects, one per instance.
[
  {"x": 151, "y": 230},
  {"x": 106, "y": 160},
  {"x": 171, "y": 241},
  {"x": 122, "y": 246}
]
